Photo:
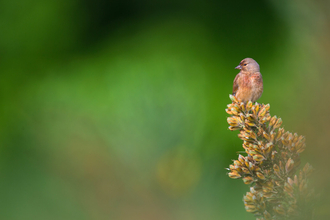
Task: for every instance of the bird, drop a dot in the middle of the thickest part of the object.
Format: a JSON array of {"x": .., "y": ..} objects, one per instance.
[{"x": 248, "y": 84}]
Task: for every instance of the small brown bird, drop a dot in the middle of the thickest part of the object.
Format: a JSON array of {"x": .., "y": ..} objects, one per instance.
[{"x": 248, "y": 84}]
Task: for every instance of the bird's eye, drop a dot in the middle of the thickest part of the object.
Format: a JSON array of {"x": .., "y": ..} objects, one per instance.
[{"x": 245, "y": 64}]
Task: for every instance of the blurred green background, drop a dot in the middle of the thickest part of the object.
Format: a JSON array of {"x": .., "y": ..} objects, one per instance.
[{"x": 116, "y": 109}]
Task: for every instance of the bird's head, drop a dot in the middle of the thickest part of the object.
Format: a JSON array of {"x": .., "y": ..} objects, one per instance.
[{"x": 249, "y": 65}]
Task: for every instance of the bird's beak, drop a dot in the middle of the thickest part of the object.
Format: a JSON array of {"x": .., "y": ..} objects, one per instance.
[{"x": 238, "y": 67}]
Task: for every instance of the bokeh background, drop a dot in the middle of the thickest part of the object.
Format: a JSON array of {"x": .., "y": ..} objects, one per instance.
[{"x": 116, "y": 109}]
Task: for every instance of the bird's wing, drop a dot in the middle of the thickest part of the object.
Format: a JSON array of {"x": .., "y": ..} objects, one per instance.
[{"x": 235, "y": 85}]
